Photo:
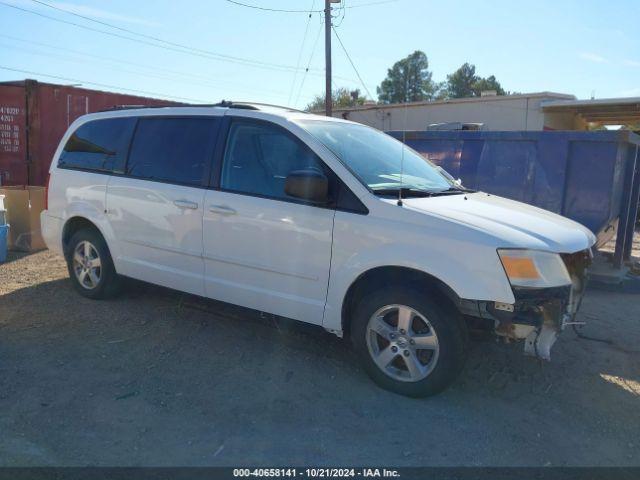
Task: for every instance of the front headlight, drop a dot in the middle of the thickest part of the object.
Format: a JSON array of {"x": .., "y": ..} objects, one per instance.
[{"x": 532, "y": 268}]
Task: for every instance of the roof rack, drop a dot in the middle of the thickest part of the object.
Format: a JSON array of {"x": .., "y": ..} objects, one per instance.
[
  {"x": 135, "y": 107},
  {"x": 253, "y": 105},
  {"x": 222, "y": 104}
]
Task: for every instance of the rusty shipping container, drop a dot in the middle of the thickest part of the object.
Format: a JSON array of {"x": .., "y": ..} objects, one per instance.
[{"x": 33, "y": 118}]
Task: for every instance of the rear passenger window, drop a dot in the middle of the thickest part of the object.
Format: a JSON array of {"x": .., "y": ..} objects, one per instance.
[
  {"x": 100, "y": 145},
  {"x": 175, "y": 150}
]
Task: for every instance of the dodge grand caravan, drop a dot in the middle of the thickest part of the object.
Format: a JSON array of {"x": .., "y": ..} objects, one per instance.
[{"x": 315, "y": 219}]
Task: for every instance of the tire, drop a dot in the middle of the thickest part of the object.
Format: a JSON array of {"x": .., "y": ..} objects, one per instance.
[
  {"x": 91, "y": 279},
  {"x": 410, "y": 370}
]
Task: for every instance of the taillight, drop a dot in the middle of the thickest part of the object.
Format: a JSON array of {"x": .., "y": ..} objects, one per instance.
[{"x": 46, "y": 192}]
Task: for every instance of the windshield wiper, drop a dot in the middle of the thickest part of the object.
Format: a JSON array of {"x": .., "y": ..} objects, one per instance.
[
  {"x": 408, "y": 192},
  {"x": 404, "y": 191},
  {"x": 452, "y": 191}
]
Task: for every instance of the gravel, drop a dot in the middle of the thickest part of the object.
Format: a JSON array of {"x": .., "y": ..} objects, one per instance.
[{"x": 159, "y": 378}]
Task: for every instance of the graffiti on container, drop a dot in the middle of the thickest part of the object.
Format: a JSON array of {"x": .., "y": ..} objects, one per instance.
[{"x": 10, "y": 121}]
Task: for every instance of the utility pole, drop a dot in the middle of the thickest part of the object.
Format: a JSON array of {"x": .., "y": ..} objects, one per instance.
[{"x": 327, "y": 54}]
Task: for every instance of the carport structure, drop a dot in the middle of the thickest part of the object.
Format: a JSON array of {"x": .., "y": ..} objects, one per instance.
[{"x": 607, "y": 111}]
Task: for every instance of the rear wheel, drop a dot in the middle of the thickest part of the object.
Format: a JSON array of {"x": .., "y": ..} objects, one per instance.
[
  {"x": 90, "y": 266},
  {"x": 408, "y": 342}
]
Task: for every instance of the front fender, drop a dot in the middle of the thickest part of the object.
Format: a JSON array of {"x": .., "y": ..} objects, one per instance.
[{"x": 469, "y": 266}]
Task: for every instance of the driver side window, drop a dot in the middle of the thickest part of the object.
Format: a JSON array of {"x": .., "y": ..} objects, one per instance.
[{"x": 259, "y": 157}]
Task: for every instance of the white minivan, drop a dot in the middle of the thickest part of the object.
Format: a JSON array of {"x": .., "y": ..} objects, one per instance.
[{"x": 316, "y": 219}]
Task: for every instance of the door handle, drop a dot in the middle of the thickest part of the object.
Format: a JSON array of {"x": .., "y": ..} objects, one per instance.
[
  {"x": 222, "y": 210},
  {"x": 186, "y": 204}
]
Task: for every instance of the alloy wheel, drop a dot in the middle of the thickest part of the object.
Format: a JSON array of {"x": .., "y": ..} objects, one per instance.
[
  {"x": 402, "y": 343},
  {"x": 87, "y": 265}
]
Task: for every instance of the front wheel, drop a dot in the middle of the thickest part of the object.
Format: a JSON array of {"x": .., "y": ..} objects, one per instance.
[{"x": 407, "y": 342}]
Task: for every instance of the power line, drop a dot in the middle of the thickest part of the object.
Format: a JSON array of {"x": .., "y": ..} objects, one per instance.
[
  {"x": 304, "y": 40},
  {"x": 171, "y": 46},
  {"x": 351, "y": 62},
  {"x": 266, "y": 9},
  {"x": 304, "y": 76},
  {"x": 186, "y": 77},
  {"x": 103, "y": 85},
  {"x": 284, "y": 10},
  {"x": 103, "y": 58},
  {"x": 161, "y": 40},
  {"x": 85, "y": 27},
  {"x": 183, "y": 50}
]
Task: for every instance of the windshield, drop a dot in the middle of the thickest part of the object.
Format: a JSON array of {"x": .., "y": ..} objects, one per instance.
[{"x": 376, "y": 158}]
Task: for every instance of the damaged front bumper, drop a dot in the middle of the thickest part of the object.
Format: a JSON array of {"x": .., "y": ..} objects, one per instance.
[{"x": 538, "y": 315}]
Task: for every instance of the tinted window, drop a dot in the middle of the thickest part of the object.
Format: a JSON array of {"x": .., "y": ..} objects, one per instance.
[
  {"x": 175, "y": 150},
  {"x": 259, "y": 157},
  {"x": 99, "y": 145}
]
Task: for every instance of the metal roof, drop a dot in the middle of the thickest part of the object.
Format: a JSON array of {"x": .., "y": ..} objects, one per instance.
[
  {"x": 485, "y": 99},
  {"x": 611, "y": 111}
]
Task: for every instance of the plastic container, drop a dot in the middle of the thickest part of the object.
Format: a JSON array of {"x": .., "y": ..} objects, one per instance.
[
  {"x": 3, "y": 212},
  {"x": 3, "y": 217},
  {"x": 4, "y": 233}
]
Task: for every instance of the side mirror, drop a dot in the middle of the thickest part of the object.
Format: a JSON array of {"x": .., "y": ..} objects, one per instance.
[{"x": 310, "y": 185}]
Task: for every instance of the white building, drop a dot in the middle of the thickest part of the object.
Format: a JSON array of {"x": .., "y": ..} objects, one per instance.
[{"x": 530, "y": 111}]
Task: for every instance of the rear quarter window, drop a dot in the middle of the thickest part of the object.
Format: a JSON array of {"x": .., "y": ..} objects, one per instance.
[{"x": 99, "y": 145}]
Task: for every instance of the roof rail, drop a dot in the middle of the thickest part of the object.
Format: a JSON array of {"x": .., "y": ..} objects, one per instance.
[
  {"x": 253, "y": 105},
  {"x": 222, "y": 104},
  {"x": 135, "y": 107}
]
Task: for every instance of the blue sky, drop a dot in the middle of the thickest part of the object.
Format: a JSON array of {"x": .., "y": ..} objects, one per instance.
[{"x": 583, "y": 48}]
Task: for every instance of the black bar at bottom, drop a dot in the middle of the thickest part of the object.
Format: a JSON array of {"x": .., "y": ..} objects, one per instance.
[{"x": 405, "y": 473}]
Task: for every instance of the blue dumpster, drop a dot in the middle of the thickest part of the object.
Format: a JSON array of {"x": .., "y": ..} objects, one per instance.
[{"x": 590, "y": 177}]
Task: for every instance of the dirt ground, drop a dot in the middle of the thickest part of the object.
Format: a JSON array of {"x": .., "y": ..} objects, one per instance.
[{"x": 160, "y": 378}]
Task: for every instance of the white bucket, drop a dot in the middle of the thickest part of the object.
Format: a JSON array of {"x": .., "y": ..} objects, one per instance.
[{"x": 3, "y": 212}]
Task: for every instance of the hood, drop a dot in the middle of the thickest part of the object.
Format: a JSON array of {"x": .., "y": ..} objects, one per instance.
[{"x": 513, "y": 224}]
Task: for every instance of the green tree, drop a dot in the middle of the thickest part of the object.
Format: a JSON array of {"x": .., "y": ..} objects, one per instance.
[
  {"x": 489, "y": 83},
  {"x": 409, "y": 80},
  {"x": 341, "y": 98},
  {"x": 461, "y": 82},
  {"x": 441, "y": 91},
  {"x": 465, "y": 83}
]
